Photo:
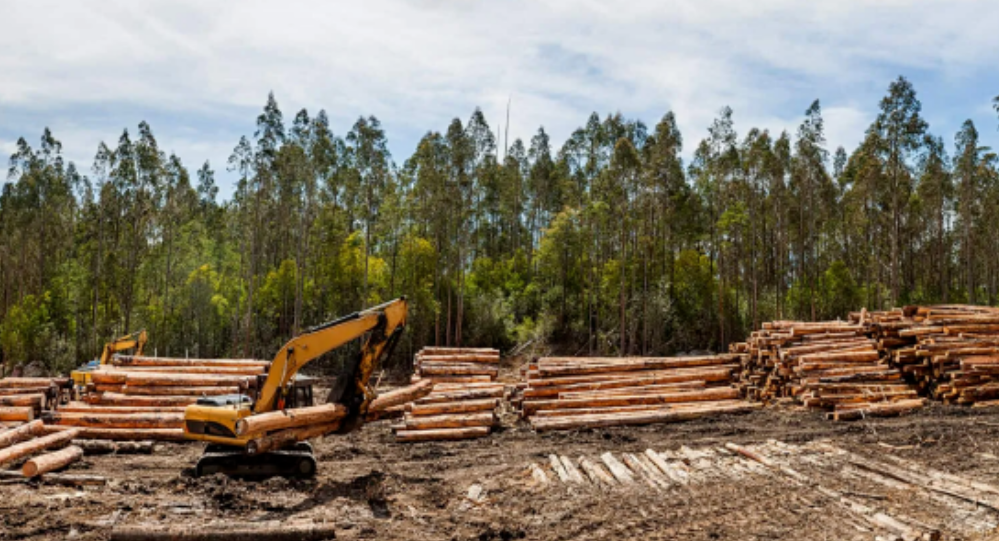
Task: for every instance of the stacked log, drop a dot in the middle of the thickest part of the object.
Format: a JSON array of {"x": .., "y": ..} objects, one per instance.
[
  {"x": 464, "y": 398},
  {"x": 572, "y": 392},
  {"x": 951, "y": 352},
  {"x": 42, "y": 452},
  {"x": 834, "y": 366},
  {"x": 143, "y": 398},
  {"x": 39, "y": 394}
]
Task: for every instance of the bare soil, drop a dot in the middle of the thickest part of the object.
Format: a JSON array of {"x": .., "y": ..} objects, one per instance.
[{"x": 373, "y": 488}]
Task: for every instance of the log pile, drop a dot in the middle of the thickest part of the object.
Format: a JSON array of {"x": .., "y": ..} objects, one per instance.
[
  {"x": 37, "y": 394},
  {"x": 40, "y": 452},
  {"x": 463, "y": 402},
  {"x": 951, "y": 352},
  {"x": 561, "y": 393},
  {"x": 143, "y": 398},
  {"x": 830, "y": 365}
]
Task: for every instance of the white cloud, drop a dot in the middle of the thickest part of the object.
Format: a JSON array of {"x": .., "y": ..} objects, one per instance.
[{"x": 418, "y": 63}]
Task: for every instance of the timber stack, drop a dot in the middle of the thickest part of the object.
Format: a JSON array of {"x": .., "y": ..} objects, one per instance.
[
  {"x": 561, "y": 393},
  {"x": 143, "y": 398},
  {"x": 950, "y": 351},
  {"x": 464, "y": 397},
  {"x": 37, "y": 451},
  {"x": 835, "y": 366},
  {"x": 18, "y": 395}
]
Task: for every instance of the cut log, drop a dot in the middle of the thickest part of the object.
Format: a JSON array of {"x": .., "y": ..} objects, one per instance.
[
  {"x": 116, "y": 399},
  {"x": 634, "y": 391},
  {"x": 46, "y": 390},
  {"x": 597, "y": 473},
  {"x": 444, "y": 408},
  {"x": 21, "y": 433},
  {"x": 171, "y": 379},
  {"x": 290, "y": 418},
  {"x": 452, "y": 396},
  {"x": 56, "y": 479},
  {"x": 620, "y": 472},
  {"x": 116, "y": 420},
  {"x": 50, "y": 462},
  {"x": 641, "y": 407},
  {"x": 283, "y": 438},
  {"x": 611, "y": 364},
  {"x": 401, "y": 396},
  {"x": 30, "y": 447},
  {"x": 217, "y": 370},
  {"x": 456, "y": 370},
  {"x": 36, "y": 401},
  {"x": 31, "y": 382},
  {"x": 887, "y": 409},
  {"x": 17, "y": 414},
  {"x": 539, "y": 475},
  {"x": 149, "y": 390},
  {"x": 721, "y": 393},
  {"x": 85, "y": 408},
  {"x": 133, "y": 360},
  {"x": 709, "y": 374},
  {"x": 434, "y": 350},
  {"x": 228, "y": 531},
  {"x": 442, "y": 434},
  {"x": 637, "y": 418},
  {"x": 451, "y": 421}
]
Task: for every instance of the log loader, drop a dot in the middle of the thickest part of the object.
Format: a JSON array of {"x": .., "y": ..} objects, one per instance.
[
  {"x": 81, "y": 376},
  {"x": 214, "y": 419}
]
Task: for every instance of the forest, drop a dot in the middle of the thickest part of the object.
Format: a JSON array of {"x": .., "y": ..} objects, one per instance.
[{"x": 609, "y": 243}]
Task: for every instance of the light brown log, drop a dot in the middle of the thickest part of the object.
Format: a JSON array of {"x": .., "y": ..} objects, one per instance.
[
  {"x": 637, "y": 418},
  {"x": 625, "y": 409},
  {"x": 86, "y": 408},
  {"x": 848, "y": 356},
  {"x": 721, "y": 393},
  {"x": 290, "y": 418},
  {"x": 288, "y": 436},
  {"x": 630, "y": 364},
  {"x": 459, "y": 358},
  {"x": 451, "y": 421},
  {"x": 122, "y": 434},
  {"x": 401, "y": 396},
  {"x": 217, "y": 370},
  {"x": 230, "y": 531},
  {"x": 171, "y": 379},
  {"x": 441, "y": 434},
  {"x": 116, "y": 399},
  {"x": 31, "y": 382},
  {"x": 451, "y": 396},
  {"x": 133, "y": 360},
  {"x": 539, "y": 476},
  {"x": 640, "y": 390},
  {"x": 435, "y": 350},
  {"x": 116, "y": 420},
  {"x": 149, "y": 390},
  {"x": 50, "y": 389},
  {"x": 17, "y": 414},
  {"x": 36, "y": 401},
  {"x": 454, "y": 370},
  {"x": 880, "y": 410},
  {"x": 620, "y": 472},
  {"x": 50, "y": 462},
  {"x": 452, "y": 379},
  {"x": 716, "y": 373},
  {"x": 442, "y": 408},
  {"x": 56, "y": 479},
  {"x": 18, "y": 434},
  {"x": 30, "y": 447},
  {"x": 597, "y": 473}
]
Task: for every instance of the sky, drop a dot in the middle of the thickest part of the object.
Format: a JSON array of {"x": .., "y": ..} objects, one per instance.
[{"x": 199, "y": 71}]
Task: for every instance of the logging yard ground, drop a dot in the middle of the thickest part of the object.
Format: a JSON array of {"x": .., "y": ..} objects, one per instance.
[{"x": 373, "y": 488}]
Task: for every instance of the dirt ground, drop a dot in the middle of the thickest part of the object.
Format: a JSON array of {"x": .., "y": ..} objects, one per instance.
[{"x": 373, "y": 488}]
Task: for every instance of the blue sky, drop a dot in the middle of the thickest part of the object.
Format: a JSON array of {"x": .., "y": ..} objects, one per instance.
[{"x": 199, "y": 72}]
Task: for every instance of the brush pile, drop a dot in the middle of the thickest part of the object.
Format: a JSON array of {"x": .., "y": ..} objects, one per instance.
[
  {"x": 143, "y": 398},
  {"x": 464, "y": 397},
  {"x": 833, "y": 365},
  {"x": 561, "y": 393},
  {"x": 951, "y": 352}
]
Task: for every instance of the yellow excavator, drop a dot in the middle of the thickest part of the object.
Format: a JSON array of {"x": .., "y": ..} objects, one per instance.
[
  {"x": 213, "y": 419},
  {"x": 81, "y": 376}
]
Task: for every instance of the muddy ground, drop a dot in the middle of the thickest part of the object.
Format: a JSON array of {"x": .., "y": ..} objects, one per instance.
[{"x": 373, "y": 488}]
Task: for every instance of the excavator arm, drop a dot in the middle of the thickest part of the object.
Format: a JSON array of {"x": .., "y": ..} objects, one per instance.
[{"x": 136, "y": 340}]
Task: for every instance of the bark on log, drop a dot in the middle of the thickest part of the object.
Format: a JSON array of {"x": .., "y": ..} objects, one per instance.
[
  {"x": 451, "y": 379},
  {"x": 226, "y": 532},
  {"x": 7, "y": 383},
  {"x": 85, "y": 408},
  {"x": 30, "y": 447},
  {"x": 451, "y": 421},
  {"x": 451, "y": 396},
  {"x": 116, "y": 399},
  {"x": 602, "y": 365},
  {"x": 21, "y": 433},
  {"x": 17, "y": 414},
  {"x": 123, "y": 434},
  {"x": 50, "y": 462},
  {"x": 641, "y": 407},
  {"x": 443, "y": 434},
  {"x": 148, "y": 390},
  {"x": 444, "y": 408},
  {"x": 290, "y": 418},
  {"x": 635, "y": 391},
  {"x": 721, "y": 393},
  {"x": 401, "y": 396},
  {"x": 716, "y": 373},
  {"x": 434, "y": 350},
  {"x": 133, "y": 360},
  {"x": 283, "y": 438},
  {"x": 171, "y": 379},
  {"x": 459, "y": 358},
  {"x": 880, "y": 410},
  {"x": 455, "y": 370},
  {"x": 36, "y": 401},
  {"x": 47, "y": 390},
  {"x": 216, "y": 370},
  {"x": 849, "y": 356},
  {"x": 57, "y": 479},
  {"x": 636, "y": 418},
  {"x": 116, "y": 420}
]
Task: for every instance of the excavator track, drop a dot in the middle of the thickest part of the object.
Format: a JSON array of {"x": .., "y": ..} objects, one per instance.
[{"x": 296, "y": 461}]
